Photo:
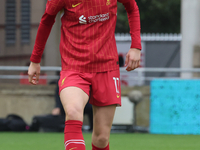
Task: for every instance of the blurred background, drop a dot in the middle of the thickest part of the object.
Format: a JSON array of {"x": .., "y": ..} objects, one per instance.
[{"x": 162, "y": 96}]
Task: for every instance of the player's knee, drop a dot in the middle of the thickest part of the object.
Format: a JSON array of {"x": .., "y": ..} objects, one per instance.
[
  {"x": 102, "y": 140},
  {"x": 73, "y": 114}
]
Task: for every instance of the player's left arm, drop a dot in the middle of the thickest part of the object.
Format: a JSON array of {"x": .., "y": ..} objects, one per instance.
[{"x": 133, "y": 56}]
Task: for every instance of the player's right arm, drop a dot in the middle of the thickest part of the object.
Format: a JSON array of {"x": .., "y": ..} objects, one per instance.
[{"x": 44, "y": 29}]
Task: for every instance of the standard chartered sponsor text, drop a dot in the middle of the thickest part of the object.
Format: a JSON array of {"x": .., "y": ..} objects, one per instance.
[{"x": 101, "y": 17}]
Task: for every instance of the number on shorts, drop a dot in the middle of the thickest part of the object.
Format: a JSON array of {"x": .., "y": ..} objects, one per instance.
[{"x": 116, "y": 81}]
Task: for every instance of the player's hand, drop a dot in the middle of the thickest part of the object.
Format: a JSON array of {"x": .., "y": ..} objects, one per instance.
[
  {"x": 132, "y": 59},
  {"x": 34, "y": 73}
]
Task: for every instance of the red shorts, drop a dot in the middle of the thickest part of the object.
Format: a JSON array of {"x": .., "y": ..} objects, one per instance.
[{"x": 103, "y": 88}]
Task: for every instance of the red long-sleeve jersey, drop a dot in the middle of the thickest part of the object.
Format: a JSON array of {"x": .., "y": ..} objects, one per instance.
[{"x": 87, "y": 33}]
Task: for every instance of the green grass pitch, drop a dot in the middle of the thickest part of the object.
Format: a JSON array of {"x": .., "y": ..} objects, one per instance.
[{"x": 118, "y": 141}]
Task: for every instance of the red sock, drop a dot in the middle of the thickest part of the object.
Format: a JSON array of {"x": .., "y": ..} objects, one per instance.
[
  {"x": 73, "y": 135},
  {"x": 96, "y": 148}
]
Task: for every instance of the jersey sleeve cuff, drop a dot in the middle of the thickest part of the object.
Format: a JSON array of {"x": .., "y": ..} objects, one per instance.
[
  {"x": 138, "y": 46},
  {"x": 35, "y": 59}
]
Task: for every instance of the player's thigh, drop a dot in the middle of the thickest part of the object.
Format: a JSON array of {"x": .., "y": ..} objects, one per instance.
[
  {"x": 103, "y": 118},
  {"x": 73, "y": 100}
]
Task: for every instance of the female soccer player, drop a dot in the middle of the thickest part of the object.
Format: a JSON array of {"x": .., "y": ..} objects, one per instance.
[{"x": 90, "y": 65}]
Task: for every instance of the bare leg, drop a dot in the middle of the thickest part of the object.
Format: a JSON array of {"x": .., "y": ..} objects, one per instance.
[
  {"x": 103, "y": 118},
  {"x": 73, "y": 100}
]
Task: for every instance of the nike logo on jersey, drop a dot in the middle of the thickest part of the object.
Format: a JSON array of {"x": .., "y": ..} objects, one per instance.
[{"x": 75, "y": 5}]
